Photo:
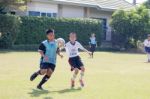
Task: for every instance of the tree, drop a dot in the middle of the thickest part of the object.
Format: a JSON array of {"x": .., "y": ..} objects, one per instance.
[
  {"x": 147, "y": 4},
  {"x": 5, "y": 4},
  {"x": 130, "y": 27}
]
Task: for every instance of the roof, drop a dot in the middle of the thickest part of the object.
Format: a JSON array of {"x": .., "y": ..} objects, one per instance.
[
  {"x": 114, "y": 4},
  {"x": 101, "y": 4},
  {"x": 104, "y": 4}
]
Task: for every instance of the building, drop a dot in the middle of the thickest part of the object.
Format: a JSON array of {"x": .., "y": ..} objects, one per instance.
[{"x": 97, "y": 9}]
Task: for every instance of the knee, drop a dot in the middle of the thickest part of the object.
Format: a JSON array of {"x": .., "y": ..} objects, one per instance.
[
  {"x": 76, "y": 71},
  {"x": 42, "y": 72},
  {"x": 82, "y": 69},
  {"x": 49, "y": 73}
]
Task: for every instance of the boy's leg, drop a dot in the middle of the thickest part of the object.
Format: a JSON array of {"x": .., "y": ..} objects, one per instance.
[
  {"x": 92, "y": 54},
  {"x": 74, "y": 77},
  {"x": 148, "y": 55},
  {"x": 82, "y": 75},
  {"x": 34, "y": 75},
  {"x": 45, "y": 78}
]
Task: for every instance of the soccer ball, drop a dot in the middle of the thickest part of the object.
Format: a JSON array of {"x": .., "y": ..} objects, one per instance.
[{"x": 61, "y": 43}]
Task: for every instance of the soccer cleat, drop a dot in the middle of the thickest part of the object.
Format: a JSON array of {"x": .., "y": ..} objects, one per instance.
[
  {"x": 39, "y": 87},
  {"x": 33, "y": 76},
  {"x": 72, "y": 83},
  {"x": 81, "y": 83}
]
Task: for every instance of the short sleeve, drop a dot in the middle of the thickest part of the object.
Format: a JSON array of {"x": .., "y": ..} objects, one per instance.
[
  {"x": 145, "y": 43},
  {"x": 42, "y": 47}
]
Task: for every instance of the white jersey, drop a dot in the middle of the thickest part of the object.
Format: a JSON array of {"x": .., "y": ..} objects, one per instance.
[
  {"x": 73, "y": 49},
  {"x": 147, "y": 43}
]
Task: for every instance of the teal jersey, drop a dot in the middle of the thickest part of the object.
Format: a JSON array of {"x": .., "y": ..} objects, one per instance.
[
  {"x": 92, "y": 40},
  {"x": 50, "y": 51}
]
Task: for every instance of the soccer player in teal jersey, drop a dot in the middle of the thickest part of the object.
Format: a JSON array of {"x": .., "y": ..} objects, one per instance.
[{"x": 48, "y": 50}]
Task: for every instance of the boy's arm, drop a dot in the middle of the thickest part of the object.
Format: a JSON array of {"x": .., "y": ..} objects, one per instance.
[
  {"x": 145, "y": 43},
  {"x": 41, "y": 53},
  {"x": 42, "y": 50},
  {"x": 90, "y": 44},
  {"x": 96, "y": 43},
  {"x": 82, "y": 48}
]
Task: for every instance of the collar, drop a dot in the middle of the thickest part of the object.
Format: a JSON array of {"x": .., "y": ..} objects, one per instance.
[{"x": 72, "y": 43}]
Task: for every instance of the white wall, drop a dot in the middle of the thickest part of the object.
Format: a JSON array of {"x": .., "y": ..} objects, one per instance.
[
  {"x": 42, "y": 7},
  {"x": 72, "y": 11}
]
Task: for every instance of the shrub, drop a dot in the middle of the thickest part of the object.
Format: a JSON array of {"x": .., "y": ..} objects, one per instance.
[
  {"x": 9, "y": 27},
  {"x": 32, "y": 29}
]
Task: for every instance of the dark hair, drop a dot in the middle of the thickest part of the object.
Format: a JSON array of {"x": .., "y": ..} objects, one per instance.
[
  {"x": 72, "y": 33},
  {"x": 49, "y": 31}
]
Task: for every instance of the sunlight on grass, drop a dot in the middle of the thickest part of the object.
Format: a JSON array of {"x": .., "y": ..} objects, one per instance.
[{"x": 108, "y": 76}]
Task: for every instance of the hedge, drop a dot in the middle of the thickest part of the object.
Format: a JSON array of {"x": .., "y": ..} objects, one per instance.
[
  {"x": 32, "y": 29},
  {"x": 9, "y": 27}
]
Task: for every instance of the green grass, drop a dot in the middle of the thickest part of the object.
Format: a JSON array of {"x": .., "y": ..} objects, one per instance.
[{"x": 108, "y": 76}]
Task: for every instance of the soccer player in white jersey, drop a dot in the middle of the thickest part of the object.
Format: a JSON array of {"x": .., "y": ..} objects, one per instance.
[
  {"x": 147, "y": 47},
  {"x": 72, "y": 48}
]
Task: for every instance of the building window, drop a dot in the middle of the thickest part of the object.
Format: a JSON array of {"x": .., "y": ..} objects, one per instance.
[
  {"x": 54, "y": 14},
  {"x": 34, "y": 13},
  {"x": 13, "y": 12},
  {"x": 43, "y": 14},
  {"x": 49, "y": 15},
  {"x": 104, "y": 26}
]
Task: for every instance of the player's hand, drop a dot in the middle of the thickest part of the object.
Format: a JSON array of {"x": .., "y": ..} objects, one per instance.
[{"x": 46, "y": 58}]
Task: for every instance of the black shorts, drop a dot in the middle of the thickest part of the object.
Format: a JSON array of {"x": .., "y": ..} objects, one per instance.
[
  {"x": 93, "y": 47},
  {"x": 76, "y": 62},
  {"x": 47, "y": 66},
  {"x": 147, "y": 49}
]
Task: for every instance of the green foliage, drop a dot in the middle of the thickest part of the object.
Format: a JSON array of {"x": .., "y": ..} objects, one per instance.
[
  {"x": 9, "y": 27},
  {"x": 5, "y": 4},
  {"x": 22, "y": 47},
  {"x": 32, "y": 30},
  {"x": 130, "y": 27},
  {"x": 147, "y": 4}
]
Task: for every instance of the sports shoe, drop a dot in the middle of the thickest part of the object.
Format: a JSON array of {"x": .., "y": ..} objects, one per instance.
[
  {"x": 39, "y": 87},
  {"x": 81, "y": 83},
  {"x": 33, "y": 76}
]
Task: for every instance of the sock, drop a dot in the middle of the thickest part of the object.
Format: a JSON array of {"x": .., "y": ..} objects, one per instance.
[
  {"x": 81, "y": 75},
  {"x": 74, "y": 77},
  {"x": 44, "y": 80}
]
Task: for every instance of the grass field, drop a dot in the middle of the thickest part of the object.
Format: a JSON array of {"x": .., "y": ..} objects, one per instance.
[{"x": 108, "y": 76}]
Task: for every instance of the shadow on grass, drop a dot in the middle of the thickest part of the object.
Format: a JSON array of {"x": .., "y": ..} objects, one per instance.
[
  {"x": 66, "y": 90},
  {"x": 38, "y": 93}
]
